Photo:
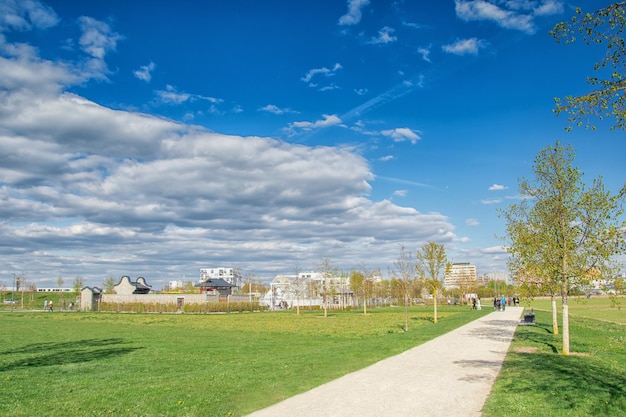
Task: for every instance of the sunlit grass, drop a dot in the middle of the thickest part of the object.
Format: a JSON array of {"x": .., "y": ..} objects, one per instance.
[
  {"x": 75, "y": 364},
  {"x": 536, "y": 380}
]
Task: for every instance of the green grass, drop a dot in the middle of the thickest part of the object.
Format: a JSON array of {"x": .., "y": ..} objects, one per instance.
[
  {"x": 97, "y": 364},
  {"x": 536, "y": 380}
]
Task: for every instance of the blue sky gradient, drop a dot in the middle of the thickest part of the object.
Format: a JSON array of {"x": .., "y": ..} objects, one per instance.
[{"x": 150, "y": 139}]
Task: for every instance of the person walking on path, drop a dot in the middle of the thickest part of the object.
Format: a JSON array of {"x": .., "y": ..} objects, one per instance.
[{"x": 431, "y": 379}]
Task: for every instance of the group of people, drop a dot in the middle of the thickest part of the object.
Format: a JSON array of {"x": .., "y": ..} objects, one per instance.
[
  {"x": 499, "y": 303},
  {"x": 49, "y": 305}
]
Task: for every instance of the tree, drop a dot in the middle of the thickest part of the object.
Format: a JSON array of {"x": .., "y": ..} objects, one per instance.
[
  {"x": 607, "y": 98},
  {"x": 357, "y": 284},
  {"x": 328, "y": 271},
  {"x": 78, "y": 284},
  {"x": 109, "y": 285},
  {"x": 404, "y": 271},
  {"x": 562, "y": 229},
  {"x": 431, "y": 264}
]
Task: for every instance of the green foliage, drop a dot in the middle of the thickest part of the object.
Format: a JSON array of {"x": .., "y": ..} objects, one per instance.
[
  {"x": 95, "y": 364},
  {"x": 562, "y": 231},
  {"x": 607, "y": 99}
]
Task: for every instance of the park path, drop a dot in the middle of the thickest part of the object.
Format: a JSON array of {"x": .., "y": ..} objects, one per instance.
[{"x": 451, "y": 375}]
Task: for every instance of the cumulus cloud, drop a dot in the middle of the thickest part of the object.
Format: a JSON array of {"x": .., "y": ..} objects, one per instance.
[
  {"x": 271, "y": 108},
  {"x": 401, "y": 134},
  {"x": 465, "y": 46},
  {"x": 354, "y": 14},
  {"x": 93, "y": 191},
  {"x": 497, "y": 187},
  {"x": 514, "y": 14},
  {"x": 144, "y": 72}
]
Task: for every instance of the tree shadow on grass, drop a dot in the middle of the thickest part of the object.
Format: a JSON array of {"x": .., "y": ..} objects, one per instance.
[
  {"x": 573, "y": 383},
  {"x": 50, "y": 354}
]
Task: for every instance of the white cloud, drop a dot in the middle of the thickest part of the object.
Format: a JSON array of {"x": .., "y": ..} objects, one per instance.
[
  {"x": 25, "y": 15},
  {"x": 144, "y": 72},
  {"x": 97, "y": 39},
  {"x": 491, "y": 201},
  {"x": 512, "y": 14},
  {"x": 497, "y": 187},
  {"x": 425, "y": 53},
  {"x": 353, "y": 16},
  {"x": 172, "y": 96},
  {"x": 386, "y": 158},
  {"x": 323, "y": 71},
  {"x": 401, "y": 134},
  {"x": 328, "y": 120},
  {"x": 360, "y": 91},
  {"x": 400, "y": 193},
  {"x": 385, "y": 35},
  {"x": 472, "y": 222},
  {"x": 465, "y": 46}
]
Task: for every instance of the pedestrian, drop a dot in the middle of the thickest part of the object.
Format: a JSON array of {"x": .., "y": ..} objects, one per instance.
[
  {"x": 503, "y": 303},
  {"x": 45, "y": 304},
  {"x": 478, "y": 306},
  {"x": 473, "y": 303},
  {"x": 72, "y": 306},
  {"x": 50, "y": 306}
]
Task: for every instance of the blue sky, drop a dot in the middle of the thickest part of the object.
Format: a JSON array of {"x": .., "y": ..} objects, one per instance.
[{"x": 150, "y": 139}]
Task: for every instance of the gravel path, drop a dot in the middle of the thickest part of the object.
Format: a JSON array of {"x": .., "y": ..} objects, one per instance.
[{"x": 451, "y": 375}]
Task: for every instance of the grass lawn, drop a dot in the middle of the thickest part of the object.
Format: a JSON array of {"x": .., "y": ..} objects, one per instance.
[
  {"x": 536, "y": 380},
  {"x": 97, "y": 364}
]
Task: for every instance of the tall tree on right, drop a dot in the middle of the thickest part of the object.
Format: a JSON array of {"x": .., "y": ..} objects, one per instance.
[
  {"x": 563, "y": 229},
  {"x": 431, "y": 264},
  {"x": 607, "y": 99}
]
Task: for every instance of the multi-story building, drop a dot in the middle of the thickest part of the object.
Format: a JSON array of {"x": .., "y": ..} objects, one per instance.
[
  {"x": 460, "y": 275},
  {"x": 231, "y": 275}
]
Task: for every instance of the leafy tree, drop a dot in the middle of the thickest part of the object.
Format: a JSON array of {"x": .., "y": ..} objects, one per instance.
[
  {"x": 357, "y": 283},
  {"x": 431, "y": 264},
  {"x": 607, "y": 98},
  {"x": 563, "y": 229}
]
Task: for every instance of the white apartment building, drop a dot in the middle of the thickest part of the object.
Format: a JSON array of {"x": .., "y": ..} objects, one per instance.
[
  {"x": 460, "y": 274},
  {"x": 230, "y": 275}
]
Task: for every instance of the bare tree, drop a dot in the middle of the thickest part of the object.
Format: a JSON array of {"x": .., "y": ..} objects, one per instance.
[{"x": 404, "y": 271}]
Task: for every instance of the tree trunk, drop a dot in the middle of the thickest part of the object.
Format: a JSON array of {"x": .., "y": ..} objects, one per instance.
[
  {"x": 555, "y": 321},
  {"x": 406, "y": 312},
  {"x": 565, "y": 328},
  {"x": 435, "y": 309}
]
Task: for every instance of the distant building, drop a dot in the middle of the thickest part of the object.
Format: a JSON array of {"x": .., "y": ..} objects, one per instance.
[
  {"x": 231, "y": 275},
  {"x": 176, "y": 284},
  {"x": 126, "y": 286},
  {"x": 307, "y": 289},
  {"x": 460, "y": 275}
]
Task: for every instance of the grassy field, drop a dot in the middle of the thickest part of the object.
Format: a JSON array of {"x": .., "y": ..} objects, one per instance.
[
  {"x": 536, "y": 380},
  {"x": 98, "y": 364}
]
